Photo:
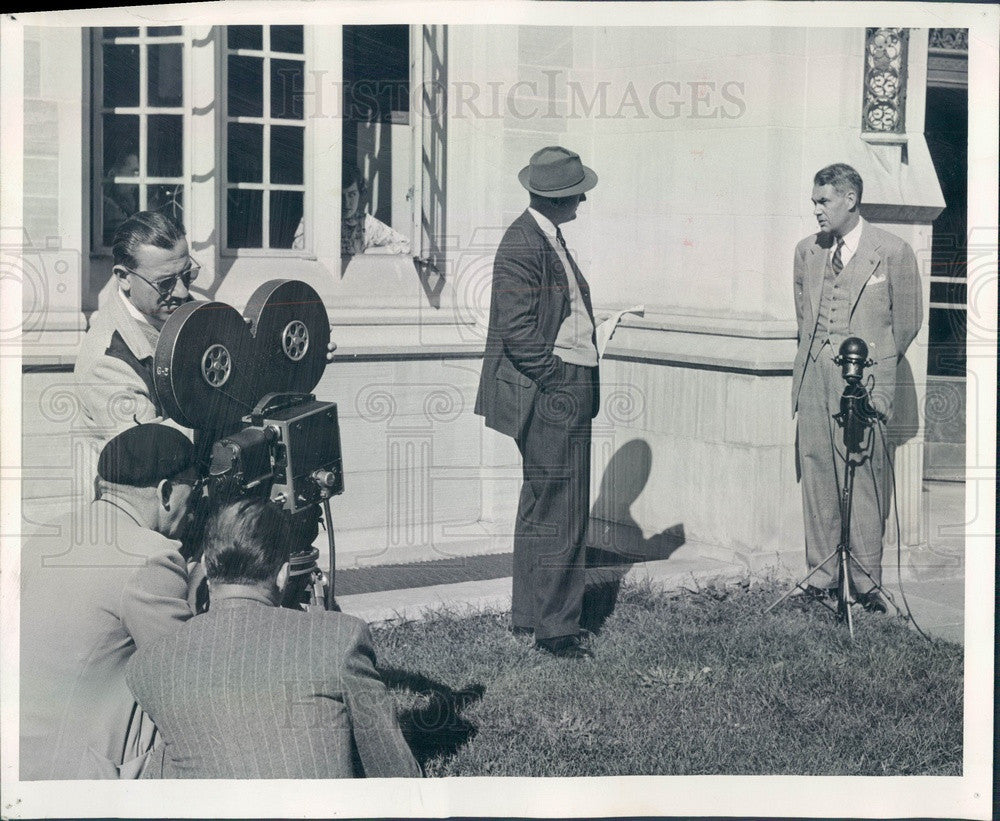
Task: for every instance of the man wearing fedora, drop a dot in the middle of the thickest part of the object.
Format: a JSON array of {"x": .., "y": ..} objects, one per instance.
[{"x": 539, "y": 385}]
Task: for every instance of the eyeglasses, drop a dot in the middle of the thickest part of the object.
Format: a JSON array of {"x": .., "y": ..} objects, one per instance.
[{"x": 165, "y": 287}]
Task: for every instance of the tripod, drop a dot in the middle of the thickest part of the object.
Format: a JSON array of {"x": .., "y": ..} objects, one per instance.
[{"x": 857, "y": 417}]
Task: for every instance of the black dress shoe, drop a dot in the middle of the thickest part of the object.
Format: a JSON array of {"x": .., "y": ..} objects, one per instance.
[
  {"x": 814, "y": 593},
  {"x": 873, "y": 602},
  {"x": 566, "y": 647}
]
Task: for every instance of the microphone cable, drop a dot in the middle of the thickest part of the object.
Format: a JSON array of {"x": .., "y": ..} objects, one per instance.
[{"x": 899, "y": 537}]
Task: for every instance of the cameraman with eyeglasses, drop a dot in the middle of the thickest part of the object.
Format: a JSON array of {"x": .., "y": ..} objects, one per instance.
[
  {"x": 152, "y": 274},
  {"x": 114, "y": 368}
]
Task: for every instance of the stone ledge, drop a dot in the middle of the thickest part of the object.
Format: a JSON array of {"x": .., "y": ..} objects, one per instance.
[
  {"x": 713, "y": 324},
  {"x": 767, "y": 356}
]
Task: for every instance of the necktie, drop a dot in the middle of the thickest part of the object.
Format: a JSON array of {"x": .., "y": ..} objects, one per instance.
[
  {"x": 581, "y": 283},
  {"x": 837, "y": 262},
  {"x": 562, "y": 241}
]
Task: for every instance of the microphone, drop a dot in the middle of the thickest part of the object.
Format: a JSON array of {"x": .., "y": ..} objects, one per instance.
[
  {"x": 853, "y": 358},
  {"x": 856, "y": 410}
]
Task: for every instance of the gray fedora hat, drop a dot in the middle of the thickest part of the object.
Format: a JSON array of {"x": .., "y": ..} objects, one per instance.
[{"x": 556, "y": 172}]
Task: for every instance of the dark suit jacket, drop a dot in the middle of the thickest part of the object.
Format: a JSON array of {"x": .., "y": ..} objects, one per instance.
[
  {"x": 530, "y": 300},
  {"x": 248, "y": 690},
  {"x": 885, "y": 303}
]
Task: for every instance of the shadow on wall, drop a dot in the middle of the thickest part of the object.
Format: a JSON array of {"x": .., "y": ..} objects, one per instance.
[{"x": 614, "y": 539}]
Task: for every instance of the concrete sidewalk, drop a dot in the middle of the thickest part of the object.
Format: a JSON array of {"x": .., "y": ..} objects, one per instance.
[{"x": 932, "y": 575}]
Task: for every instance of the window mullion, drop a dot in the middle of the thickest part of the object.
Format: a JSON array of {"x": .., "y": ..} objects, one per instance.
[
  {"x": 265, "y": 171},
  {"x": 222, "y": 149},
  {"x": 97, "y": 145},
  {"x": 143, "y": 121}
]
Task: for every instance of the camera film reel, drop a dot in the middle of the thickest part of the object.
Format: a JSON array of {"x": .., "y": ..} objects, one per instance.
[
  {"x": 291, "y": 331},
  {"x": 212, "y": 364},
  {"x": 203, "y": 366}
]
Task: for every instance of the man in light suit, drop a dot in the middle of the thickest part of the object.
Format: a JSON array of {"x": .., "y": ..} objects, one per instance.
[
  {"x": 851, "y": 279},
  {"x": 539, "y": 385},
  {"x": 253, "y": 690}
]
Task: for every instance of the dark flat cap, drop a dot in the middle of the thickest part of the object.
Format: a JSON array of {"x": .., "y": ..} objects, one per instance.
[{"x": 143, "y": 455}]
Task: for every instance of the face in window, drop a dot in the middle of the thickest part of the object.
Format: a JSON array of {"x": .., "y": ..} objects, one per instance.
[
  {"x": 127, "y": 166},
  {"x": 155, "y": 270},
  {"x": 834, "y": 209},
  {"x": 351, "y": 198},
  {"x": 130, "y": 166}
]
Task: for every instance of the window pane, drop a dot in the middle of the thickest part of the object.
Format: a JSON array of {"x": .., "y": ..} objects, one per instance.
[
  {"x": 168, "y": 199},
  {"x": 951, "y": 292},
  {"x": 164, "y": 149},
  {"x": 286, "y": 89},
  {"x": 246, "y": 37},
  {"x": 163, "y": 31},
  {"x": 246, "y": 86},
  {"x": 120, "y": 202},
  {"x": 286, "y": 214},
  {"x": 164, "y": 87},
  {"x": 286, "y": 154},
  {"x": 121, "y": 31},
  {"x": 946, "y": 339},
  {"x": 121, "y": 145},
  {"x": 121, "y": 75},
  {"x": 287, "y": 39},
  {"x": 246, "y": 152},
  {"x": 243, "y": 218}
]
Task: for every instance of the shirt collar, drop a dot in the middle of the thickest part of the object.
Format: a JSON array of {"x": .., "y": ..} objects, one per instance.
[
  {"x": 853, "y": 237},
  {"x": 238, "y": 595},
  {"x": 133, "y": 311},
  {"x": 543, "y": 222}
]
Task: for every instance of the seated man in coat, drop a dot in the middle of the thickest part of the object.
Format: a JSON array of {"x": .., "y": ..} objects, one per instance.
[
  {"x": 254, "y": 690},
  {"x": 93, "y": 592}
]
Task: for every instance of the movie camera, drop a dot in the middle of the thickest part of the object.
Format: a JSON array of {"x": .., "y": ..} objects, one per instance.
[{"x": 242, "y": 382}]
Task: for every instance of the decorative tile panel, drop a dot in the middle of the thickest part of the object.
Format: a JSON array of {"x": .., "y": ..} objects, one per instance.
[
  {"x": 949, "y": 39},
  {"x": 885, "y": 80}
]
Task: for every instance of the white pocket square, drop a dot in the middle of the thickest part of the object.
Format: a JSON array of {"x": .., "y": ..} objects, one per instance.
[{"x": 877, "y": 278}]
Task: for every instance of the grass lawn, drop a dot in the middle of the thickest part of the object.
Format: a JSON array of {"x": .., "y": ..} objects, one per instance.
[{"x": 683, "y": 683}]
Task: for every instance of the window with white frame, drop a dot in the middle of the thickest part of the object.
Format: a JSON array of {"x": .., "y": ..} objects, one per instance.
[
  {"x": 264, "y": 139},
  {"x": 138, "y": 126},
  {"x": 377, "y": 179}
]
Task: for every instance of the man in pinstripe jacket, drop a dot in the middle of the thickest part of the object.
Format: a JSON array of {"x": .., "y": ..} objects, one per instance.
[{"x": 253, "y": 690}]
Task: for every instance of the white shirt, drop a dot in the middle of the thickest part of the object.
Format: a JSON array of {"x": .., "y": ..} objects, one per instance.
[
  {"x": 135, "y": 312},
  {"x": 574, "y": 342},
  {"x": 851, "y": 240}
]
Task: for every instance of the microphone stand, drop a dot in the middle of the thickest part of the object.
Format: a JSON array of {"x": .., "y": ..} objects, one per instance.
[
  {"x": 856, "y": 424},
  {"x": 856, "y": 417}
]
